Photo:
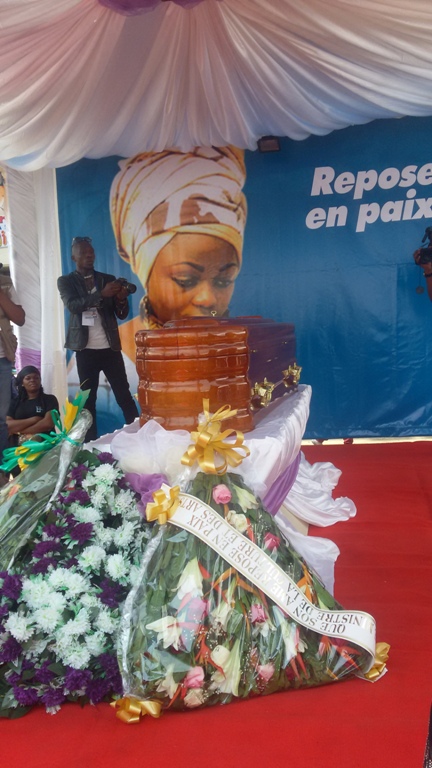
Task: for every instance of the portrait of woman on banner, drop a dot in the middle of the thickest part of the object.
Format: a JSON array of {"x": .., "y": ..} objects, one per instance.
[{"x": 178, "y": 219}]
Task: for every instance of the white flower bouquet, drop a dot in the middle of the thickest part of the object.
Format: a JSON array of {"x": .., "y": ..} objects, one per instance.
[{"x": 60, "y": 606}]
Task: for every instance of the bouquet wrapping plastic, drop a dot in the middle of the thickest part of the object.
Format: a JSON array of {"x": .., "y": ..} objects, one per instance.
[
  {"x": 196, "y": 631},
  {"x": 24, "y": 500},
  {"x": 60, "y": 604}
]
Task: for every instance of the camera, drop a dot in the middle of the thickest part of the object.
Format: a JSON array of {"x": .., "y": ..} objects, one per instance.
[
  {"x": 424, "y": 253},
  {"x": 130, "y": 287}
]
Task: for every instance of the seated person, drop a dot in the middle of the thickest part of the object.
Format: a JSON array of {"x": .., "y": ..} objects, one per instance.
[{"x": 30, "y": 411}]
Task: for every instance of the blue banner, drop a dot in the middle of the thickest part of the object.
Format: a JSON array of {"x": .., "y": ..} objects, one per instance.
[{"x": 332, "y": 223}]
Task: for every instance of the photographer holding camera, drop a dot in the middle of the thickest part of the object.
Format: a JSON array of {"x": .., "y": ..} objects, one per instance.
[
  {"x": 95, "y": 300},
  {"x": 423, "y": 258}
]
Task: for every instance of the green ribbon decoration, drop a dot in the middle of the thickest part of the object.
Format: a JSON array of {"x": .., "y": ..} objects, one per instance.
[{"x": 32, "y": 450}]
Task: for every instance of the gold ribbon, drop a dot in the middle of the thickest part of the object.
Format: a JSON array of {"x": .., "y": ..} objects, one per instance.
[
  {"x": 130, "y": 710},
  {"x": 209, "y": 441},
  {"x": 381, "y": 656},
  {"x": 164, "y": 505}
]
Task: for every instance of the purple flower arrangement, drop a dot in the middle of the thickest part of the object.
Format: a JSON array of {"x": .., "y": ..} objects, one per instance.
[{"x": 60, "y": 608}]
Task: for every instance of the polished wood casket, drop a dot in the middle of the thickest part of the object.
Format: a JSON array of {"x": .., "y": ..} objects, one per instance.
[{"x": 243, "y": 362}]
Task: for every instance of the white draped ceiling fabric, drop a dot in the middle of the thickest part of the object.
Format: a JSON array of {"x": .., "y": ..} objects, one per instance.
[{"x": 80, "y": 79}]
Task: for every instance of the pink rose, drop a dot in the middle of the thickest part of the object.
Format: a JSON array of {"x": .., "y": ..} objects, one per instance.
[
  {"x": 221, "y": 494},
  {"x": 194, "y": 678},
  {"x": 196, "y": 609},
  {"x": 266, "y": 671},
  {"x": 271, "y": 541},
  {"x": 258, "y": 613}
]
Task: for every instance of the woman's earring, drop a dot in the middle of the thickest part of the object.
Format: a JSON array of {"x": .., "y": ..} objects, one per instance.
[{"x": 145, "y": 308}]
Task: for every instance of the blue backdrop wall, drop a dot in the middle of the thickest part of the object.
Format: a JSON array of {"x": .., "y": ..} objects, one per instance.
[{"x": 332, "y": 225}]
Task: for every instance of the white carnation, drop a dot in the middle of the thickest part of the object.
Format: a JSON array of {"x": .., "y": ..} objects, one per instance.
[
  {"x": 57, "y": 601},
  {"x": 36, "y": 593},
  {"x": 75, "y": 507},
  {"x": 47, "y": 618},
  {"x": 91, "y": 557},
  {"x": 57, "y": 578},
  {"x": 19, "y": 627},
  {"x": 64, "y": 578},
  {"x": 124, "y": 535},
  {"x": 88, "y": 482},
  {"x": 87, "y": 515},
  {"x": 75, "y": 583},
  {"x": 80, "y": 625},
  {"x": 116, "y": 567},
  {"x": 105, "y": 622},
  {"x": 104, "y": 536},
  {"x": 90, "y": 601},
  {"x": 106, "y": 474},
  {"x": 96, "y": 643},
  {"x": 72, "y": 629},
  {"x": 76, "y": 656},
  {"x": 124, "y": 501},
  {"x": 98, "y": 497}
]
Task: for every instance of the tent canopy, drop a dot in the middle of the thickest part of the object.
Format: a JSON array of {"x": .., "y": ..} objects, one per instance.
[{"x": 81, "y": 79}]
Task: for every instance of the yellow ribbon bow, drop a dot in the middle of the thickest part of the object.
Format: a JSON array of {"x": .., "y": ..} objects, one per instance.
[
  {"x": 164, "y": 505},
  {"x": 381, "y": 656},
  {"x": 209, "y": 441},
  {"x": 130, "y": 710}
]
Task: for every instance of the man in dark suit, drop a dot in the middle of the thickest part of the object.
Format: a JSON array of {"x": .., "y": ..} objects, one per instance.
[{"x": 95, "y": 300}]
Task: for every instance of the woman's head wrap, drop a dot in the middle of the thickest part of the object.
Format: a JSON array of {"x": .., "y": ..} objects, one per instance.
[{"x": 156, "y": 195}]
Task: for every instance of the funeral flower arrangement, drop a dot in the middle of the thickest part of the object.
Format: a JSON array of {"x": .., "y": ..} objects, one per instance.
[
  {"x": 60, "y": 609},
  {"x": 198, "y": 633},
  {"x": 100, "y": 604}
]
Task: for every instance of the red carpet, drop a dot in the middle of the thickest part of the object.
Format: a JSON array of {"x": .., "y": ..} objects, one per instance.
[{"x": 384, "y": 568}]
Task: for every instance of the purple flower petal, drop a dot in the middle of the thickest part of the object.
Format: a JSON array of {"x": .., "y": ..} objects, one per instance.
[
  {"x": 106, "y": 458},
  {"x": 26, "y": 697},
  {"x": 10, "y": 651},
  {"x": 43, "y": 674},
  {"x": 77, "y": 679},
  {"x": 81, "y": 532},
  {"x": 43, "y": 565},
  {"x": 12, "y": 585},
  {"x": 53, "y": 697},
  {"x": 78, "y": 495},
  {"x": 96, "y": 690}
]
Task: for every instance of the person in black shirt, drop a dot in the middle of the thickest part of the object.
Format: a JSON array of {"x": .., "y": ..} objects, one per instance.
[{"x": 30, "y": 412}]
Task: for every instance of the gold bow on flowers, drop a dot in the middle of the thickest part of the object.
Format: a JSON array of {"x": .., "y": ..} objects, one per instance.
[
  {"x": 209, "y": 442},
  {"x": 165, "y": 503},
  {"x": 381, "y": 656},
  {"x": 130, "y": 710}
]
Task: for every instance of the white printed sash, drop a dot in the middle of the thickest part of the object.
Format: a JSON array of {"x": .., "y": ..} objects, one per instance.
[{"x": 252, "y": 562}]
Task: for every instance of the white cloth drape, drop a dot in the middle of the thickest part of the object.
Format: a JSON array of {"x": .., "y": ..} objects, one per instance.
[
  {"x": 311, "y": 496},
  {"x": 274, "y": 444},
  {"x": 35, "y": 266},
  {"x": 78, "y": 79}
]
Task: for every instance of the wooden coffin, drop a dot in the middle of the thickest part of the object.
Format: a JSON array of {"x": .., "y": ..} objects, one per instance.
[{"x": 235, "y": 361}]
